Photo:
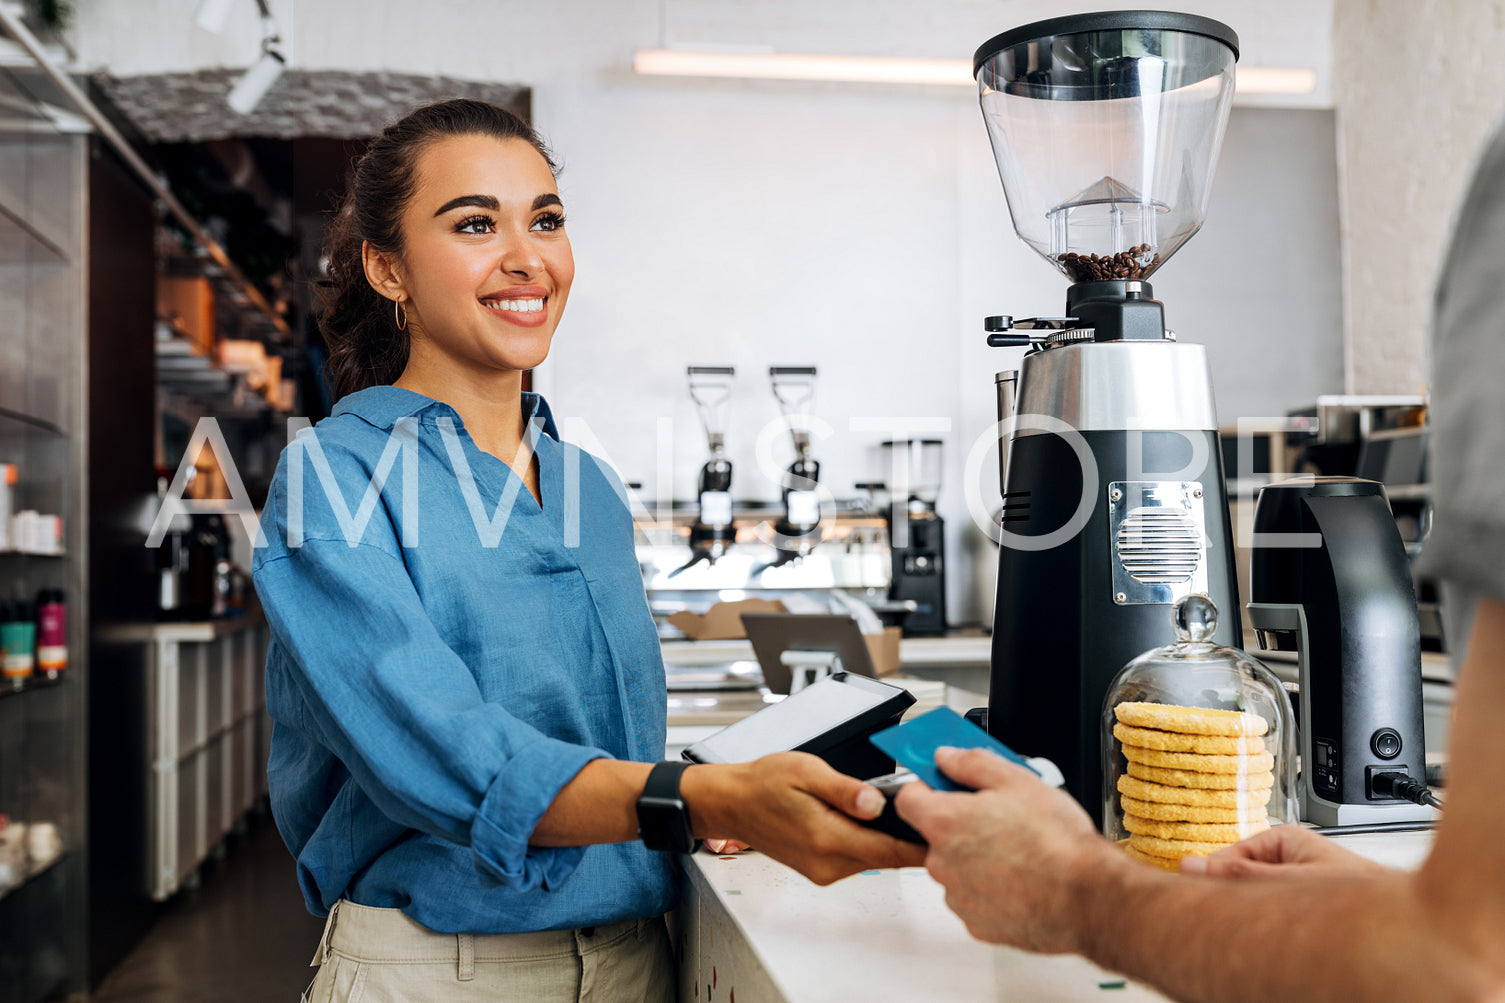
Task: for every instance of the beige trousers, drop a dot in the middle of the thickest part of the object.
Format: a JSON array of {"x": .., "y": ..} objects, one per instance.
[{"x": 381, "y": 956}]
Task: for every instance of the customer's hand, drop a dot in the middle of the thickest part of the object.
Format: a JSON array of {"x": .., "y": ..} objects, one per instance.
[
  {"x": 1015, "y": 858},
  {"x": 1285, "y": 849},
  {"x": 799, "y": 811}
]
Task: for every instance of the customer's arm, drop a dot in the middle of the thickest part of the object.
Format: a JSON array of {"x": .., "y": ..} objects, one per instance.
[{"x": 1022, "y": 865}]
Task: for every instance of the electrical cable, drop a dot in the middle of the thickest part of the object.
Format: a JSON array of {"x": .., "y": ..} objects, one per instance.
[
  {"x": 1399, "y": 785},
  {"x": 1368, "y": 827}
]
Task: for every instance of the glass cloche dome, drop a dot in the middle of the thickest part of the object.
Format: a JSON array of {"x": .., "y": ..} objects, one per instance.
[
  {"x": 1106, "y": 128},
  {"x": 1198, "y": 744}
]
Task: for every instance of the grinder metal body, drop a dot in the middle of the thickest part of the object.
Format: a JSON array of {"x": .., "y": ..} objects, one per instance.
[
  {"x": 1330, "y": 581},
  {"x": 1113, "y": 508}
]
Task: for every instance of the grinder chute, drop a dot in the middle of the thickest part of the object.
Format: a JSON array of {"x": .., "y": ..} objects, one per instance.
[{"x": 1106, "y": 129}]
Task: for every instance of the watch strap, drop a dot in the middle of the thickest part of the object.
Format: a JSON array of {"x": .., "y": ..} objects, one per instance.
[{"x": 663, "y": 817}]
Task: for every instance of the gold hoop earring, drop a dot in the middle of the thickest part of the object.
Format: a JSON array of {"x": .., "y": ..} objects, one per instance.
[{"x": 399, "y": 315}]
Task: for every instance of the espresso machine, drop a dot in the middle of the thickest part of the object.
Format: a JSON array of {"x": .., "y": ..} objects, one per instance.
[
  {"x": 1106, "y": 129},
  {"x": 917, "y": 534},
  {"x": 1330, "y": 581},
  {"x": 713, "y": 531}
]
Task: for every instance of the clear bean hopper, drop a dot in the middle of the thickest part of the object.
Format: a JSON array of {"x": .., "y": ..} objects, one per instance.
[{"x": 1106, "y": 129}]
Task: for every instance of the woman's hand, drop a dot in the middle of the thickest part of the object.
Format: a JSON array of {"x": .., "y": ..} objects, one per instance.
[
  {"x": 797, "y": 810},
  {"x": 1285, "y": 849}
]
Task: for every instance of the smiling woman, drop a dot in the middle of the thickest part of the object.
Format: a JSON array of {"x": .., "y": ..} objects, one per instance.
[
  {"x": 411, "y": 189},
  {"x": 465, "y": 717}
]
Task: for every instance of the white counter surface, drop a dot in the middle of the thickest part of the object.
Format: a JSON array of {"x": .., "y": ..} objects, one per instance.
[
  {"x": 756, "y": 930},
  {"x": 963, "y": 649}
]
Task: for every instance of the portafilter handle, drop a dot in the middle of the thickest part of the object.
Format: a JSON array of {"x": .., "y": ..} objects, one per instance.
[{"x": 1006, "y": 332}]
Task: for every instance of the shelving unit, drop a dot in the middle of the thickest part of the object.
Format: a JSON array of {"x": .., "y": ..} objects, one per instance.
[
  {"x": 42, "y": 417},
  {"x": 81, "y": 223}
]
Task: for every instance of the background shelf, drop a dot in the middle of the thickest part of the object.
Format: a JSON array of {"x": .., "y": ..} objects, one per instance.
[{"x": 21, "y": 243}]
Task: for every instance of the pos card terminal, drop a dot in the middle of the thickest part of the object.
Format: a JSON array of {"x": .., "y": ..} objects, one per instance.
[{"x": 831, "y": 718}]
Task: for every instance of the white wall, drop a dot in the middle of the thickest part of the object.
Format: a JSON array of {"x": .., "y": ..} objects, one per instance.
[
  {"x": 858, "y": 228},
  {"x": 1418, "y": 88}
]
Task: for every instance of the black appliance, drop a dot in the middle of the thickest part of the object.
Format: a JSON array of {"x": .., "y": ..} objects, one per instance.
[
  {"x": 713, "y": 530},
  {"x": 917, "y": 534},
  {"x": 1340, "y": 595},
  {"x": 1106, "y": 129},
  {"x": 798, "y": 529}
]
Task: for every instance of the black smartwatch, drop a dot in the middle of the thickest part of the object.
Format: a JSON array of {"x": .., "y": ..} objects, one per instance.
[{"x": 663, "y": 817}]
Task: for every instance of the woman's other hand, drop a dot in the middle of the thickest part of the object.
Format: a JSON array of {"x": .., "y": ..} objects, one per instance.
[{"x": 797, "y": 810}]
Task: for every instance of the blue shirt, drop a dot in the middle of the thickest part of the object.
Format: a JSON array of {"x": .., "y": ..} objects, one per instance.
[{"x": 444, "y": 659}]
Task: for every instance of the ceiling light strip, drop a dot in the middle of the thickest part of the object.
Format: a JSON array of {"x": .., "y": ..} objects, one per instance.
[{"x": 894, "y": 70}]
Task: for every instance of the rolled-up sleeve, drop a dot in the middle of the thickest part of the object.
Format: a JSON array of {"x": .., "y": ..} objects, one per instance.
[{"x": 375, "y": 683}]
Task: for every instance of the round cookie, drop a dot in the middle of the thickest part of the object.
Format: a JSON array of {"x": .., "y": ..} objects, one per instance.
[
  {"x": 1190, "y": 720},
  {"x": 1155, "y": 846},
  {"x": 1162, "y": 812},
  {"x": 1202, "y": 781},
  {"x": 1260, "y": 762},
  {"x": 1164, "y": 863},
  {"x": 1170, "y": 741},
  {"x": 1196, "y": 832},
  {"x": 1146, "y": 790}
]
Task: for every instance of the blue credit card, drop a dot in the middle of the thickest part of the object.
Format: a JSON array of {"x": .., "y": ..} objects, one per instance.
[{"x": 913, "y": 744}]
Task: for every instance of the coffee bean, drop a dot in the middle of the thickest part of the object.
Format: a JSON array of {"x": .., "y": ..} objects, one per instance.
[{"x": 1096, "y": 268}]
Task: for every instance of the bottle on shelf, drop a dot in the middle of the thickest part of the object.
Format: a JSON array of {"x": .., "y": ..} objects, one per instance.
[
  {"x": 52, "y": 633},
  {"x": 18, "y": 640}
]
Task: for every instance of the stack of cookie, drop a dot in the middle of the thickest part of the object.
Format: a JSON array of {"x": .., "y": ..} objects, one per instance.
[{"x": 1198, "y": 779}]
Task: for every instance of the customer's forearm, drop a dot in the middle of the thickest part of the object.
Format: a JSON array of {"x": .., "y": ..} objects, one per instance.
[{"x": 1284, "y": 937}]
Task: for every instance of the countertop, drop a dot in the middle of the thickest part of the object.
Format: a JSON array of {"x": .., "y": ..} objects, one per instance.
[
  {"x": 965, "y": 647},
  {"x": 183, "y": 630},
  {"x": 975, "y": 648},
  {"x": 884, "y": 935}
]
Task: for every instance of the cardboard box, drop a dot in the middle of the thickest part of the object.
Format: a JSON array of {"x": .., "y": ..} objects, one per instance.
[
  {"x": 723, "y": 621},
  {"x": 884, "y": 650},
  {"x": 190, "y": 299}
]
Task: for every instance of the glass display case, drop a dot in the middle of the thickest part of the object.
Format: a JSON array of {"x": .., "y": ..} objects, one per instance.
[{"x": 1198, "y": 745}]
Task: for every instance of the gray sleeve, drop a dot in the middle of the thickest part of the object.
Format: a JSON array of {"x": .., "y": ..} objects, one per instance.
[{"x": 1467, "y": 456}]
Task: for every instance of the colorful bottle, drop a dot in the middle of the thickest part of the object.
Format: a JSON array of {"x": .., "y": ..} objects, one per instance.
[
  {"x": 52, "y": 632},
  {"x": 18, "y": 638}
]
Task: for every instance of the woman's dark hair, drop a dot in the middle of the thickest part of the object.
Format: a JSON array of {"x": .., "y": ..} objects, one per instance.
[{"x": 359, "y": 324}]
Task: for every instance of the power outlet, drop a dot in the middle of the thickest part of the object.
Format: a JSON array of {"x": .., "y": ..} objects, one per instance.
[{"x": 1370, "y": 772}]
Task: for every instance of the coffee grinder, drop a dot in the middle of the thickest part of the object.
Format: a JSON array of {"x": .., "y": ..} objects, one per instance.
[
  {"x": 798, "y": 529},
  {"x": 713, "y": 530},
  {"x": 1106, "y": 129},
  {"x": 916, "y": 533}
]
